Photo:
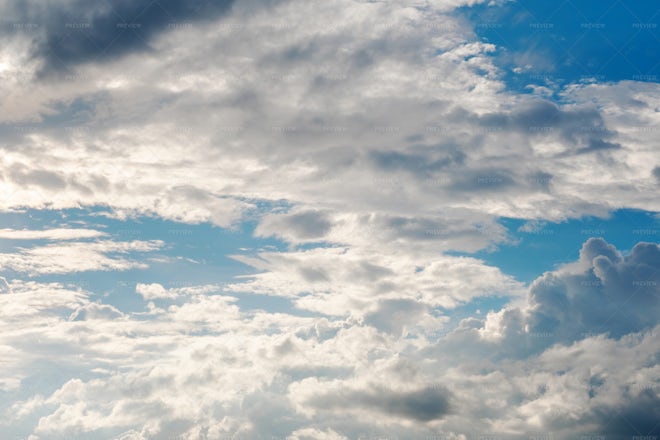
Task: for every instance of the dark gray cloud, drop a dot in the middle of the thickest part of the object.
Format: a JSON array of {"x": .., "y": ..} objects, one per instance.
[
  {"x": 488, "y": 179},
  {"x": 636, "y": 417},
  {"x": 594, "y": 144},
  {"x": 582, "y": 128},
  {"x": 309, "y": 224},
  {"x": 368, "y": 272},
  {"x": 306, "y": 225},
  {"x": 313, "y": 275},
  {"x": 435, "y": 229},
  {"x": 424, "y": 405},
  {"x": 414, "y": 163},
  {"x": 42, "y": 178},
  {"x": 79, "y": 31}
]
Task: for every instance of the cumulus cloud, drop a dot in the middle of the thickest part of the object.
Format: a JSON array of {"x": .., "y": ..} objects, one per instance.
[
  {"x": 95, "y": 311},
  {"x": 152, "y": 291},
  {"x": 602, "y": 293}
]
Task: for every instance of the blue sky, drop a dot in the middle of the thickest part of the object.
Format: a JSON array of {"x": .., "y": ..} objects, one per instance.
[
  {"x": 257, "y": 220},
  {"x": 569, "y": 41},
  {"x": 545, "y": 246}
]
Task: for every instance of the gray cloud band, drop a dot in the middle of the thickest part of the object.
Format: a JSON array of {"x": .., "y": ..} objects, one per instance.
[{"x": 78, "y": 31}]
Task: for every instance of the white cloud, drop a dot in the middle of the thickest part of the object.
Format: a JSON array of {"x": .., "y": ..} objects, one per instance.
[
  {"x": 340, "y": 281},
  {"x": 49, "y": 234},
  {"x": 152, "y": 291},
  {"x": 4, "y": 286},
  {"x": 77, "y": 257},
  {"x": 410, "y": 116},
  {"x": 95, "y": 311},
  {"x": 315, "y": 433},
  {"x": 157, "y": 291},
  {"x": 382, "y": 130},
  {"x": 412, "y": 147},
  {"x": 205, "y": 365}
]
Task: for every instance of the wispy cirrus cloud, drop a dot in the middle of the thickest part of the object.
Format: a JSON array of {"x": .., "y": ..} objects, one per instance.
[
  {"x": 77, "y": 257},
  {"x": 49, "y": 234}
]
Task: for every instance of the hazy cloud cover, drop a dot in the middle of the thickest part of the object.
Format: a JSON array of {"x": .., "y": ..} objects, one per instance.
[{"x": 276, "y": 219}]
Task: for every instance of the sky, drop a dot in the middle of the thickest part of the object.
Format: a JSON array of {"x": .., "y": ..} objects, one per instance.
[{"x": 337, "y": 220}]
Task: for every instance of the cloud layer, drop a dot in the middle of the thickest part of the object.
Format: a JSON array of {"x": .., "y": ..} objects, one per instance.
[
  {"x": 182, "y": 367},
  {"x": 369, "y": 146}
]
